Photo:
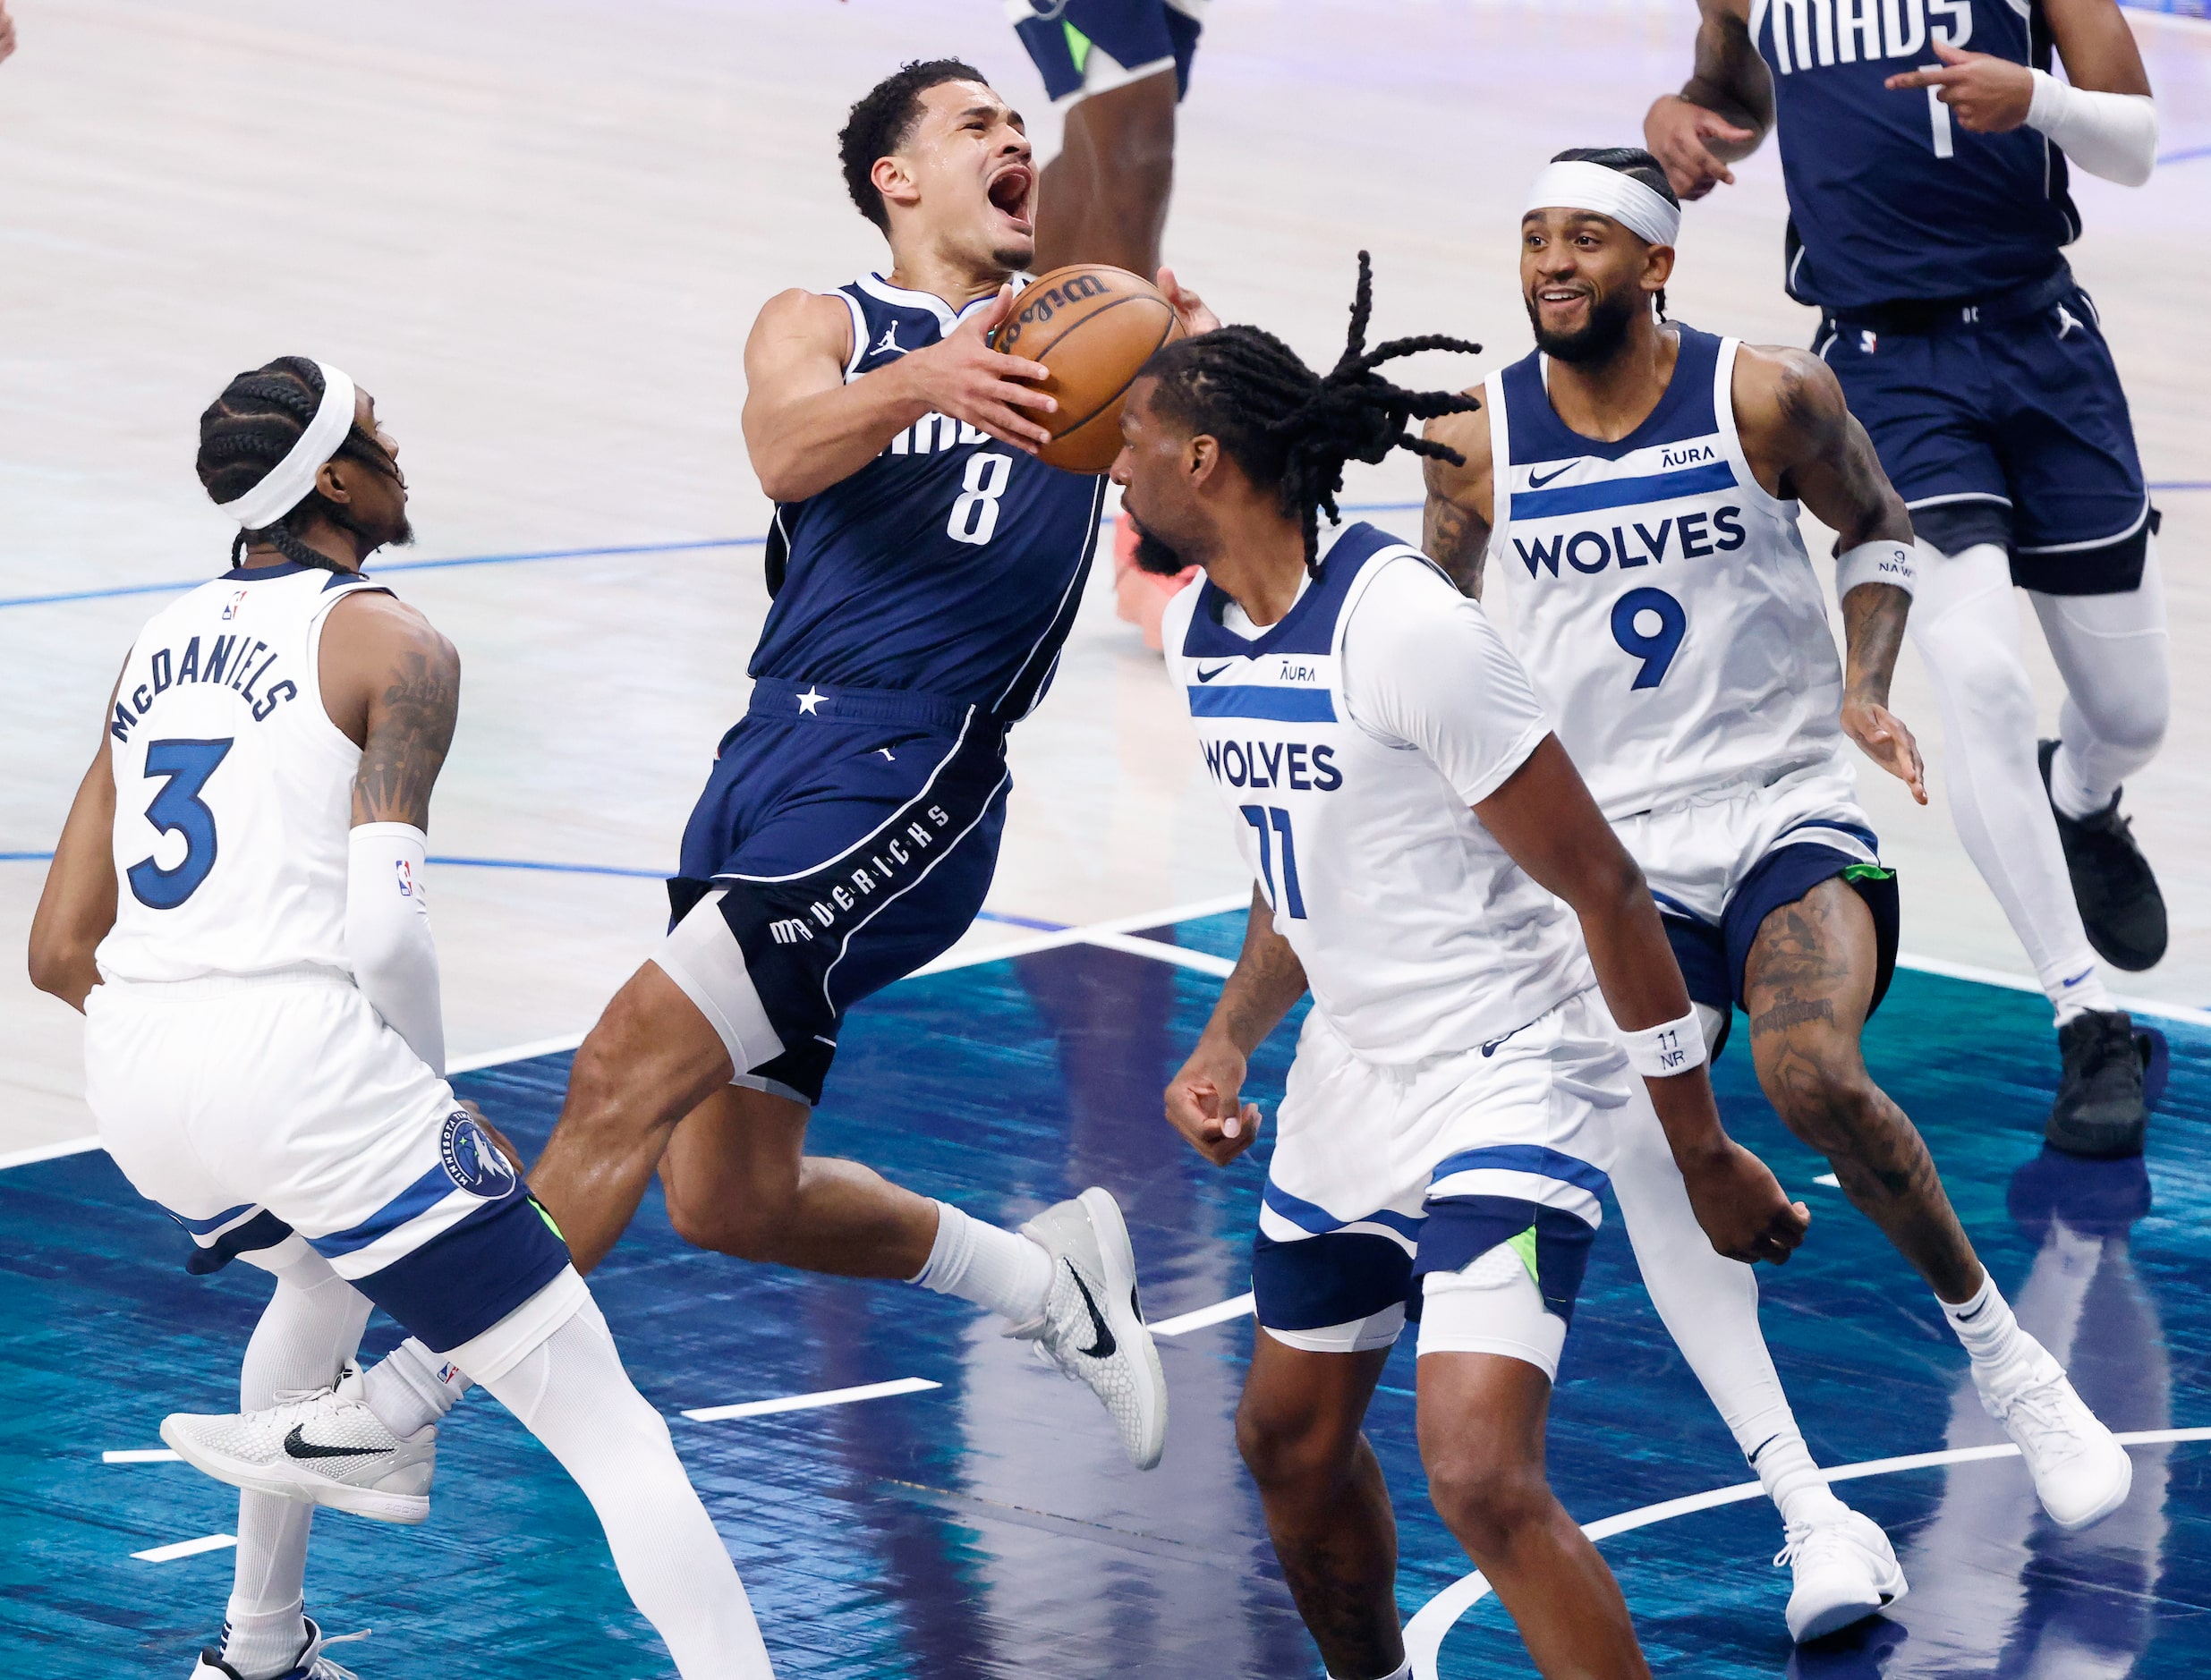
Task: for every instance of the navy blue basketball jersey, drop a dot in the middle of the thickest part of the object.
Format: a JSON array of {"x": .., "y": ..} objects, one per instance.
[
  {"x": 950, "y": 565},
  {"x": 1889, "y": 198}
]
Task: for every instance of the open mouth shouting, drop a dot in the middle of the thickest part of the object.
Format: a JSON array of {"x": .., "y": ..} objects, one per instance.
[{"x": 1011, "y": 190}]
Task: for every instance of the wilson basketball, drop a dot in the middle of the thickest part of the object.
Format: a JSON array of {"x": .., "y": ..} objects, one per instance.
[{"x": 1094, "y": 325}]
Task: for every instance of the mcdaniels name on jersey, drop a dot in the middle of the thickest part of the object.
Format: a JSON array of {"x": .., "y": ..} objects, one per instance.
[{"x": 233, "y": 662}]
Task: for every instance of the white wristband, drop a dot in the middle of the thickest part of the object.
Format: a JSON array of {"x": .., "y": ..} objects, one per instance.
[
  {"x": 1882, "y": 561},
  {"x": 1669, "y": 1048},
  {"x": 2114, "y": 135}
]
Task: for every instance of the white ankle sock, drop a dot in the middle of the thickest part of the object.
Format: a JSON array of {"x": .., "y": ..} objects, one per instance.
[
  {"x": 1992, "y": 1338},
  {"x": 411, "y": 1387},
  {"x": 1795, "y": 1483},
  {"x": 261, "y": 1645},
  {"x": 2084, "y": 993},
  {"x": 1002, "y": 1271}
]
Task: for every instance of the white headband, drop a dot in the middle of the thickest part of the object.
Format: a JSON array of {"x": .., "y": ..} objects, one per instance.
[
  {"x": 1609, "y": 192},
  {"x": 291, "y": 478}
]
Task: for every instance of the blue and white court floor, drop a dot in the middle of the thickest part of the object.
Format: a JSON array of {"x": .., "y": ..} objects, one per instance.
[{"x": 979, "y": 1519}]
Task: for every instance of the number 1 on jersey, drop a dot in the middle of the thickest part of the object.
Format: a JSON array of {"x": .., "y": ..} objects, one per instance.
[{"x": 1264, "y": 818}]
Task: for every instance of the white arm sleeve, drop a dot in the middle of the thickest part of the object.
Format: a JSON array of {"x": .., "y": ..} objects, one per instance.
[
  {"x": 387, "y": 938},
  {"x": 2114, "y": 135},
  {"x": 1424, "y": 667}
]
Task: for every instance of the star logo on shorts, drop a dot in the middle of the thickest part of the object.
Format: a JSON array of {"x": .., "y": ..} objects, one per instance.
[{"x": 809, "y": 702}]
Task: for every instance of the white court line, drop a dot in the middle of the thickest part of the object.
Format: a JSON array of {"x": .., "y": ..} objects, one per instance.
[
  {"x": 185, "y": 1549},
  {"x": 514, "y": 1053},
  {"x": 2023, "y": 983},
  {"x": 1220, "y": 1312},
  {"x": 143, "y": 1455},
  {"x": 1829, "y": 1180},
  {"x": 49, "y": 1151},
  {"x": 807, "y": 1401},
  {"x": 1425, "y": 1633},
  {"x": 1160, "y": 951}
]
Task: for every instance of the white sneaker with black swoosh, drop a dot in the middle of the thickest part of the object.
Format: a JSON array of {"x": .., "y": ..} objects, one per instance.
[
  {"x": 325, "y": 1448},
  {"x": 1092, "y": 1327}
]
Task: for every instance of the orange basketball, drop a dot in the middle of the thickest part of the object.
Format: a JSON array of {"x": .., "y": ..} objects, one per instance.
[{"x": 1094, "y": 325}]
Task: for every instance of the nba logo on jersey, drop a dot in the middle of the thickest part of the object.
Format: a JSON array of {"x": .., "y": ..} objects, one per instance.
[
  {"x": 230, "y": 607},
  {"x": 1868, "y": 340}
]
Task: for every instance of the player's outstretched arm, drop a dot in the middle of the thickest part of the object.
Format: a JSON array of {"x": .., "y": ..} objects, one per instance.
[
  {"x": 1544, "y": 817},
  {"x": 1803, "y": 441},
  {"x": 2102, "y": 114},
  {"x": 1202, "y": 1099},
  {"x": 1722, "y": 111},
  {"x": 391, "y": 682},
  {"x": 1455, "y": 524},
  {"x": 806, "y": 429},
  {"x": 77, "y": 906}
]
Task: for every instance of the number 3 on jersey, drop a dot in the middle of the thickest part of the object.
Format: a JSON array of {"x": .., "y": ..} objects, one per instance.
[
  {"x": 975, "y": 511},
  {"x": 1264, "y": 817},
  {"x": 178, "y": 809}
]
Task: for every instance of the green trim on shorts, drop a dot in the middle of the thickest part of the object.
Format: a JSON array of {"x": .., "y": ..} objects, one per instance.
[
  {"x": 1524, "y": 1245},
  {"x": 1867, "y": 873},
  {"x": 547, "y": 1218},
  {"x": 1078, "y": 47}
]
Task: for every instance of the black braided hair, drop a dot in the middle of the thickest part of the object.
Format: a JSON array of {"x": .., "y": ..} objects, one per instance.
[
  {"x": 252, "y": 427},
  {"x": 1291, "y": 429},
  {"x": 1636, "y": 165}
]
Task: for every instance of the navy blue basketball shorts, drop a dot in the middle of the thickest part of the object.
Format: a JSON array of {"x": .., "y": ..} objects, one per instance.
[
  {"x": 2012, "y": 430},
  {"x": 1086, "y": 47},
  {"x": 1713, "y": 958},
  {"x": 846, "y": 837}
]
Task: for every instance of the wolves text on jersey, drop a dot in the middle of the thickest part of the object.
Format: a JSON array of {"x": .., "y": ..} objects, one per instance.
[
  {"x": 1290, "y": 764},
  {"x": 227, "y": 661},
  {"x": 1692, "y": 535}
]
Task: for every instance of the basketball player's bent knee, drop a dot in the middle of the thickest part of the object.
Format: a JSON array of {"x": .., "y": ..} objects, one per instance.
[{"x": 1291, "y": 1441}]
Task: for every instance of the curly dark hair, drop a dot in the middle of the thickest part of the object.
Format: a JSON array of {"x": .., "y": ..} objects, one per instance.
[
  {"x": 883, "y": 119},
  {"x": 1290, "y": 428}
]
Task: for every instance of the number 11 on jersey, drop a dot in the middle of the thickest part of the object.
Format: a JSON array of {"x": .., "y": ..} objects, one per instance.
[{"x": 1266, "y": 817}]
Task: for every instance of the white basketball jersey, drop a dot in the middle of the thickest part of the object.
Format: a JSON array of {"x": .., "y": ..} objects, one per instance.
[
  {"x": 234, "y": 789},
  {"x": 1659, "y": 599},
  {"x": 1417, "y": 933}
]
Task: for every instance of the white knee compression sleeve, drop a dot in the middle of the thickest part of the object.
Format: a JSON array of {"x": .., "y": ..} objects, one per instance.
[
  {"x": 1965, "y": 626},
  {"x": 1710, "y": 1307},
  {"x": 310, "y": 1328},
  {"x": 572, "y": 1393},
  {"x": 2112, "y": 650},
  {"x": 1491, "y": 1306}
]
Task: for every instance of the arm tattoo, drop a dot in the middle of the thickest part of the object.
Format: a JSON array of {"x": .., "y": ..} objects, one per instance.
[
  {"x": 408, "y": 736},
  {"x": 1730, "y": 77},
  {"x": 1456, "y": 540},
  {"x": 1872, "y": 633}
]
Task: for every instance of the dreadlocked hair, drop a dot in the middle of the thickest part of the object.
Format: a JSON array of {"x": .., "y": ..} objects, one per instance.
[
  {"x": 1292, "y": 430},
  {"x": 252, "y": 427}
]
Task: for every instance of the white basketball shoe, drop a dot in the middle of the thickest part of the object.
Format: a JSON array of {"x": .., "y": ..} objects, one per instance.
[
  {"x": 1092, "y": 1327},
  {"x": 313, "y": 1665},
  {"x": 2081, "y": 1473},
  {"x": 1844, "y": 1570},
  {"x": 326, "y": 1448}
]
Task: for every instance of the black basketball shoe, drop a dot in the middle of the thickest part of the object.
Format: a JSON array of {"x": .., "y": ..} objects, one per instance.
[
  {"x": 2100, "y": 1111},
  {"x": 2119, "y": 904}
]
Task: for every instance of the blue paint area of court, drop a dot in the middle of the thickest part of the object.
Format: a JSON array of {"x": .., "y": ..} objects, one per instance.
[{"x": 990, "y": 1527}]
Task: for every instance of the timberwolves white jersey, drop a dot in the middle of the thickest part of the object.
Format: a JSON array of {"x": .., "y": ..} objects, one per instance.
[
  {"x": 234, "y": 789},
  {"x": 1349, "y": 740},
  {"x": 1662, "y": 601}
]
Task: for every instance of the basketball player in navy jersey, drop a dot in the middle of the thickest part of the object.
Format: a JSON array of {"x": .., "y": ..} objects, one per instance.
[
  {"x": 929, "y": 569},
  {"x": 1928, "y": 214}
]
